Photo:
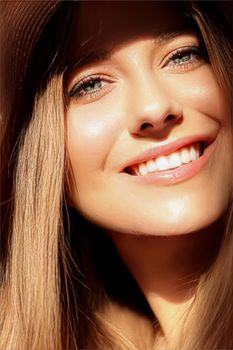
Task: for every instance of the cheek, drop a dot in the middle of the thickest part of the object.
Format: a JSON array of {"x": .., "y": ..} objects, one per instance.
[
  {"x": 91, "y": 131},
  {"x": 201, "y": 92}
]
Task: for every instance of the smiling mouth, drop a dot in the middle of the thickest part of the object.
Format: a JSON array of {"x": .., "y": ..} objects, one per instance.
[{"x": 181, "y": 156}]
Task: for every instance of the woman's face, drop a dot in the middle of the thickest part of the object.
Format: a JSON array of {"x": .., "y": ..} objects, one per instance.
[{"x": 141, "y": 82}]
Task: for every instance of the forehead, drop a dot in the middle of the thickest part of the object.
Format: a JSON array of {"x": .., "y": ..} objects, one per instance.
[{"x": 105, "y": 24}]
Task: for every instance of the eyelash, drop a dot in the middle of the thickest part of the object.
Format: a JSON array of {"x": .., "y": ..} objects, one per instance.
[
  {"x": 195, "y": 53},
  {"x": 78, "y": 90}
]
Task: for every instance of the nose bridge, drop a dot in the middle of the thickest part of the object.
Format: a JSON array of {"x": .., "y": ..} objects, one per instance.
[
  {"x": 153, "y": 104},
  {"x": 150, "y": 95},
  {"x": 151, "y": 99}
]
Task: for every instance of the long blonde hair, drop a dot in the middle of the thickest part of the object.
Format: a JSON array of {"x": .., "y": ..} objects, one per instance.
[{"x": 56, "y": 292}]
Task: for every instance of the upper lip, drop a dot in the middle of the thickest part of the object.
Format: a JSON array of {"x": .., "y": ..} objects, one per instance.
[{"x": 165, "y": 149}]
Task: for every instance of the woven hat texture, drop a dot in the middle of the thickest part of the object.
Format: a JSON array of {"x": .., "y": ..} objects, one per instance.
[{"x": 21, "y": 25}]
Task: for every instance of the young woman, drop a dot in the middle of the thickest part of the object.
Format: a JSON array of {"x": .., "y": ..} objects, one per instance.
[{"x": 117, "y": 175}]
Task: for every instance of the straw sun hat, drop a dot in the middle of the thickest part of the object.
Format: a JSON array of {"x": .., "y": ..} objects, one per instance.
[
  {"x": 21, "y": 25},
  {"x": 22, "y": 22}
]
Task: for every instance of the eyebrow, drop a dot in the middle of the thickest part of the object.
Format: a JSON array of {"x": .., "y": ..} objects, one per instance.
[
  {"x": 95, "y": 56},
  {"x": 105, "y": 54},
  {"x": 166, "y": 36}
]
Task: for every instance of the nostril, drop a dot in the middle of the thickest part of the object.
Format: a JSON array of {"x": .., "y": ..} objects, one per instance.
[
  {"x": 170, "y": 118},
  {"x": 145, "y": 125}
]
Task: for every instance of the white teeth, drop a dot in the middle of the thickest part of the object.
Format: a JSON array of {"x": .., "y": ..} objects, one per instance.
[
  {"x": 174, "y": 160},
  {"x": 185, "y": 156},
  {"x": 162, "y": 163},
  {"x": 142, "y": 169},
  {"x": 192, "y": 153},
  {"x": 171, "y": 161},
  {"x": 151, "y": 165}
]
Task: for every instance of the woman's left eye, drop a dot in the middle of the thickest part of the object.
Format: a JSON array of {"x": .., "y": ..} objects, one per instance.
[
  {"x": 185, "y": 58},
  {"x": 92, "y": 85}
]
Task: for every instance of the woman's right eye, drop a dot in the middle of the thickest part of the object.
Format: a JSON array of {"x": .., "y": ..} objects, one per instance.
[{"x": 88, "y": 88}]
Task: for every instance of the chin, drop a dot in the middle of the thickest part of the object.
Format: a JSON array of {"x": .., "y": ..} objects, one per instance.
[{"x": 181, "y": 224}]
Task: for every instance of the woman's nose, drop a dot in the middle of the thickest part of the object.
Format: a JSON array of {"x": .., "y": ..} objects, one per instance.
[{"x": 154, "y": 109}]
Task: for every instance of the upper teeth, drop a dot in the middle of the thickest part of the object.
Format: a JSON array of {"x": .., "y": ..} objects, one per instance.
[{"x": 171, "y": 161}]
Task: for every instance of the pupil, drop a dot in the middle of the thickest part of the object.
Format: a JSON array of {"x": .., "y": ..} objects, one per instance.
[
  {"x": 182, "y": 57},
  {"x": 92, "y": 85}
]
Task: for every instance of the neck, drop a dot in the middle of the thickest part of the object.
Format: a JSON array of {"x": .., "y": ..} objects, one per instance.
[{"x": 168, "y": 268}]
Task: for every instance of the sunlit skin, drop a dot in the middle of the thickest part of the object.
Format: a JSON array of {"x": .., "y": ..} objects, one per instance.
[{"x": 120, "y": 111}]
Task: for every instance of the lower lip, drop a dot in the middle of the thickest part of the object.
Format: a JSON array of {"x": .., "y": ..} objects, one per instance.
[{"x": 179, "y": 174}]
